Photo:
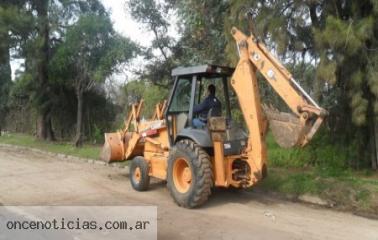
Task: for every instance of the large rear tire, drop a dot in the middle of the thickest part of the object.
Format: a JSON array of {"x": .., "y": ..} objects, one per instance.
[
  {"x": 139, "y": 178},
  {"x": 190, "y": 176}
]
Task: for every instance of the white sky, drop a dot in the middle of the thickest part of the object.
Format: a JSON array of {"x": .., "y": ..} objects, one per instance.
[{"x": 126, "y": 26}]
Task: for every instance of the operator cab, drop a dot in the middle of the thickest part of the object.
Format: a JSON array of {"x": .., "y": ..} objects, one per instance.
[{"x": 190, "y": 89}]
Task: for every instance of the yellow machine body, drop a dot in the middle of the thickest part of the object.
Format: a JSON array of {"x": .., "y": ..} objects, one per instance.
[{"x": 151, "y": 139}]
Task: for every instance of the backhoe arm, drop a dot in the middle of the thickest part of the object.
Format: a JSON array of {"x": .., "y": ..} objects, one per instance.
[
  {"x": 295, "y": 130},
  {"x": 308, "y": 113}
]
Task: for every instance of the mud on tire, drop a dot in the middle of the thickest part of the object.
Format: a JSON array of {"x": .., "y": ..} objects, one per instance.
[{"x": 198, "y": 161}]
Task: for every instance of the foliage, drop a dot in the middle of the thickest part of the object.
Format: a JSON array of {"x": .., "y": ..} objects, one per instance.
[
  {"x": 12, "y": 24},
  {"x": 39, "y": 32},
  {"x": 201, "y": 26},
  {"x": 319, "y": 154},
  {"x": 329, "y": 46},
  {"x": 134, "y": 91},
  {"x": 88, "y": 55},
  {"x": 160, "y": 56},
  {"x": 90, "y": 52}
]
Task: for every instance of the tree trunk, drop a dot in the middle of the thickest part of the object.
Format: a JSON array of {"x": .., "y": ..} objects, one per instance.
[
  {"x": 50, "y": 133},
  {"x": 79, "y": 119},
  {"x": 374, "y": 145},
  {"x": 44, "y": 127},
  {"x": 5, "y": 77},
  {"x": 372, "y": 133}
]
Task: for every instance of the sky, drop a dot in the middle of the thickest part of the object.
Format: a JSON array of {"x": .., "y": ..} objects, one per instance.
[{"x": 124, "y": 24}]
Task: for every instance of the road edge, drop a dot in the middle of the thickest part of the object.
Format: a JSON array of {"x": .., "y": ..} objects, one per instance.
[{"x": 64, "y": 157}]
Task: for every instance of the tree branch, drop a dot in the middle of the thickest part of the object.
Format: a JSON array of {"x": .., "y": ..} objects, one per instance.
[{"x": 159, "y": 44}]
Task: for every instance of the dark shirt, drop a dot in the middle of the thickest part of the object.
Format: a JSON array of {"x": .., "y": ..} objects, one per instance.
[{"x": 204, "y": 107}]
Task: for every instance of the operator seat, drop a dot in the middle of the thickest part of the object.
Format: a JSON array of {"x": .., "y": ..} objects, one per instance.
[{"x": 181, "y": 121}]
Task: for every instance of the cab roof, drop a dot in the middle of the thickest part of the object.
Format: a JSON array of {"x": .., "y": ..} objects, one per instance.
[{"x": 203, "y": 70}]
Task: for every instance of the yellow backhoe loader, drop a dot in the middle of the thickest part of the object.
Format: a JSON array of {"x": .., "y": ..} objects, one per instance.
[{"x": 192, "y": 159}]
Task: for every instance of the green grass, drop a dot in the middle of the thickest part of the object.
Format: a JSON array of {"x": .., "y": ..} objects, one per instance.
[
  {"x": 320, "y": 153},
  {"x": 87, "y": 151},
  {"x": 351, "y": 190},
  {"x": 321, "y": 169}
]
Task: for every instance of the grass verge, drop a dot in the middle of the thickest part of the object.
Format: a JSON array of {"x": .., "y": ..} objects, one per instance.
[
  {"x": 320, "y": 170},
  {"x": 348, "y": 190},
  {"x": 87, "y": 151}
]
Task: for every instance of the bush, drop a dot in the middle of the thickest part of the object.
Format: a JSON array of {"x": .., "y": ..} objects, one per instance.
[{"x": 321, "y": 153}]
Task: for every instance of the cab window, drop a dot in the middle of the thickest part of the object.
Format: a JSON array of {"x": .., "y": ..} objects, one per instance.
[{"x": 181, "y": 97}]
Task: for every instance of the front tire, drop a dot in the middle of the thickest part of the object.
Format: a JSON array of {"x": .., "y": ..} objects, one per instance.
[
  {"x": 190, "y": 176},
  {"x": 139, "y": 178}
]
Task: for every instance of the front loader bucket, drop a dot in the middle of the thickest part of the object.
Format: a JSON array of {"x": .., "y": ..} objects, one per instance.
[
  {"x": 286, "y": 128},
  {"x": 114, "y": 147}
]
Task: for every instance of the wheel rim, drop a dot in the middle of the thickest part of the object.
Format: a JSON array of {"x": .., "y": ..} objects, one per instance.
[
  {"x": 137, "y": 174},
  {"x": 182, "y": 175}
]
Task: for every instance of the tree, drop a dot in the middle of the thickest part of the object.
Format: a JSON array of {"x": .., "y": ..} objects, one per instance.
[
  {"x": 339, "y": 38},
  {"x": 42, "y": 55},
  {"x": 346, "y": 41},
  {"x": 202, "y": 30},
  {"x": 12, "y": 26},
  {"x": 161, "y": 55},
  {"x": 33, "y": 30},
  {"x": 89, "y": 54},
  {"x": 5, "y": 69}
]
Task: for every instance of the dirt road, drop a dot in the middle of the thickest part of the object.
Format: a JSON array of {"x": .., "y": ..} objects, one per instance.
[{"x": 29, "y": 178}]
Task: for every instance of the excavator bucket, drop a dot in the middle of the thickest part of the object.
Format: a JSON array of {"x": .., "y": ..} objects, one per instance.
[
  {"x": 286, "y": 128},
  {"x": 117, "y": 144},
  {"x": 114, "y": 147}
]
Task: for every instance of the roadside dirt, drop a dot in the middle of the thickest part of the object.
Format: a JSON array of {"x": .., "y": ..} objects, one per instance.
[{"x": 28, "y": 178}]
